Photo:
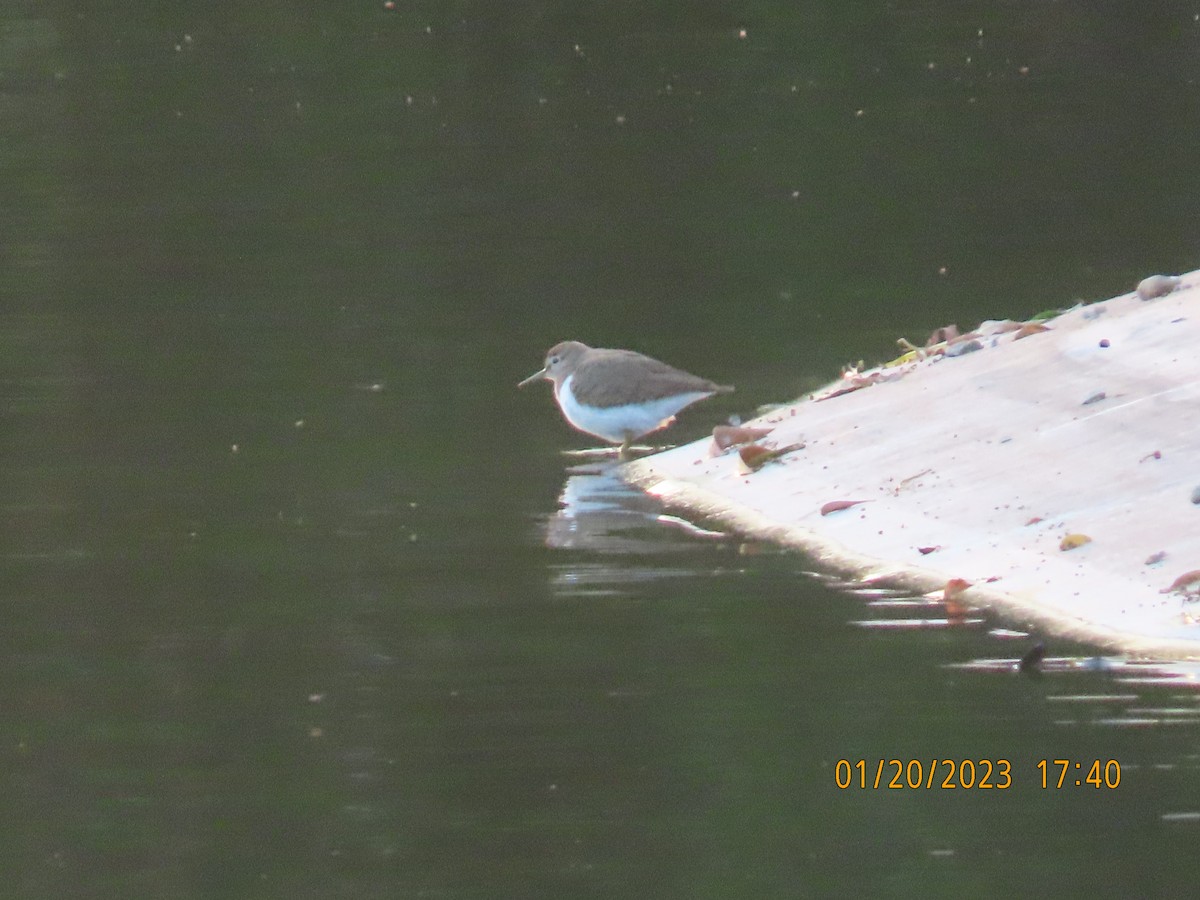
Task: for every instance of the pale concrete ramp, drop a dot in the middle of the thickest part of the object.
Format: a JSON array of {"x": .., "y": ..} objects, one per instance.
[{"x": 992, "y": 457}]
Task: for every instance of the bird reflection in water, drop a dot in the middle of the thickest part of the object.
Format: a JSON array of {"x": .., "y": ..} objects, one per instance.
[{"x": 600, "y": 513}]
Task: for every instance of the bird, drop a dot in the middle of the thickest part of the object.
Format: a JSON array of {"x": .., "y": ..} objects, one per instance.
[{"x": 619, "y": 395}]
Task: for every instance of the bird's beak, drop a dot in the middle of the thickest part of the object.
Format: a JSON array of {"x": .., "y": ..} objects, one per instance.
[{"x": 536, "y": 376}]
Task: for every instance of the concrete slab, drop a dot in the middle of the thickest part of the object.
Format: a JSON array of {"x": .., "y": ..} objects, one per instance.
[{"x": 991, "y": 458}]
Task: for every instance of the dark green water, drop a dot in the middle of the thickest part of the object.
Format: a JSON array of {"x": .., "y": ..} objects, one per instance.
[{"x": 289, "y": 606}]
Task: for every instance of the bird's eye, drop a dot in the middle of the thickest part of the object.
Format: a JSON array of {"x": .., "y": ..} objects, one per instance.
[{"x": 554, "y": 360}]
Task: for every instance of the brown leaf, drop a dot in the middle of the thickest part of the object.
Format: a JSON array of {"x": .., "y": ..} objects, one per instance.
[
  {"x": 1181, "y": 583},
  {"x": 1071, "y": 541},
  {"x": 835, "y": 505},
  {"x": 953, "y": 589},
  {"x": 849, "y": 388},
  {"x": 752, "y": 457},
  {"x": 1029, "y": 328},
  {"x": 726, "y": 436},
  {"x": 755, "y": 455},
  {"x": 1034, "y": 520},
  {"x": 925, "y": 551}
]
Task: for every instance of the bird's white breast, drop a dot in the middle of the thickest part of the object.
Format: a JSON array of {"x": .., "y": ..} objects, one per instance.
[{"x": 616, "y": 423}]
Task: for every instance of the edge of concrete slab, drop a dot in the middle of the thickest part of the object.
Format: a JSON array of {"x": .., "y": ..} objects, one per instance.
[{"x": 1108, "y": 598}]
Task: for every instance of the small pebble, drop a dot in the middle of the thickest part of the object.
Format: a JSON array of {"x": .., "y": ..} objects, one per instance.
[
  {"x": 1096, "y": 398},
  {"x": 1032, "y": 661},
  {"x": 1155, "y": 558},
  {"x": 963, "y": 347},
  {"x": 1157, "y": 286},
  {"x": 1104, "y": 343},
  {"x": 1196, "y": 494}
]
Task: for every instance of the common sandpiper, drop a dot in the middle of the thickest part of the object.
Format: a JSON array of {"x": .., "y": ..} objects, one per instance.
[{"x": 619, "y": 395}]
